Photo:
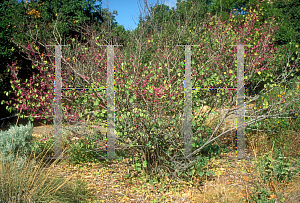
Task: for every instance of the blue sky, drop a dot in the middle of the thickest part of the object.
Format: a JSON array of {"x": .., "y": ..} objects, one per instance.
[{"x": 129, "y": 10}]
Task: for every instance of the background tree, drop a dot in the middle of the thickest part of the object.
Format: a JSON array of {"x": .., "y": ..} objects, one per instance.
[
  {"x": 8, "y": 51},
  {"x": 71, "y": 15},
  {"x": 285, "y": 13},
  {"x": 159, "y": 15}
]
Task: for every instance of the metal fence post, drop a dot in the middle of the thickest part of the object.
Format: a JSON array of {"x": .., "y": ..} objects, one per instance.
[
  {"x": 187, "y": 129},
  {"x": 110, "y": 104},
  {"x": 240, "y": 104},
  {"x": 57, "y": 106}
]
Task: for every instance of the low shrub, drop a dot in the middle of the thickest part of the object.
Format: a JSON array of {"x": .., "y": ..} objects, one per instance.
[
  {"x": 16, "y": 140},
  {"x": 274, "y": 169},
  {"x": 83, "y": 151},
  {"x": 261, "y": 195}
]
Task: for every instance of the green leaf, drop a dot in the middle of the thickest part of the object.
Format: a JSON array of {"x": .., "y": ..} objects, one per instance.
[{"x": 145, "y": 164}]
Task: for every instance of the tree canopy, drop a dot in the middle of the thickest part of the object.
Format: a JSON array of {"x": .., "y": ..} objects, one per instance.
[{"x": 68, "y": 14}]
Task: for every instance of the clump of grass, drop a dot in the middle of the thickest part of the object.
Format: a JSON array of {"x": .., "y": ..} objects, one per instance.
[
  {"x": 22, "y": 179},
  {"x": 23, "y": 182}
]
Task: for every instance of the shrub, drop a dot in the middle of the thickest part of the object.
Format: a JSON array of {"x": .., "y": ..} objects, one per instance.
[
  {"x": 15, "y": 141},
  {"x": 83, "y": 151},
  {"x": 274, "y": 169}
]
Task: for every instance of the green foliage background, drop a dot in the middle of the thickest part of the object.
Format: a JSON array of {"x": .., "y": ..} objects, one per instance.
[{"x": 44, "y": 13}]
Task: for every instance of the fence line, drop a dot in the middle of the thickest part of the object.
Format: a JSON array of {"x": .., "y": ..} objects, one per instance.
[
  {"x": 187, "y": 109},
  {"x": 240, "y": 103},
  {"x": 110, "y": 104}
]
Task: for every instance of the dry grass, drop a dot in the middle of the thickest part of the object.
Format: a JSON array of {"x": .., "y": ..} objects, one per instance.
[
  {"x": 28, "y": 183},
  {"x": 234, "y": 181}
]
